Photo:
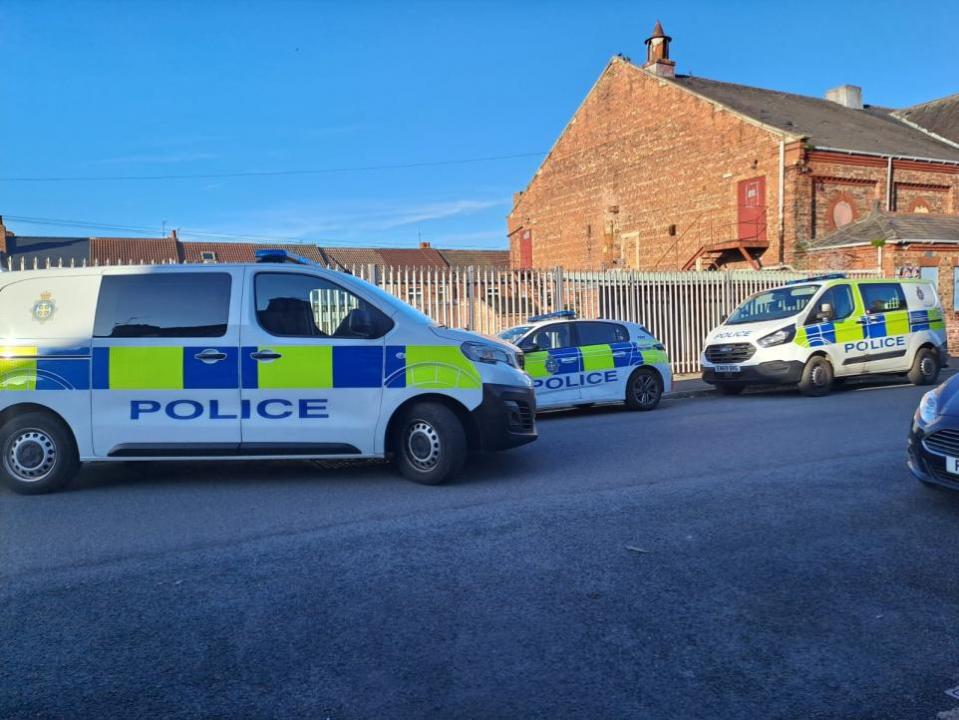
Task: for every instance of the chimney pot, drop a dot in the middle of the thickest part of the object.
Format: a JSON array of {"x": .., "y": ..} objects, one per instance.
[
  {"x": 424, "y": 244},
  {"x": 657, "y": 53},
  {"x": 849, "y": 96}
]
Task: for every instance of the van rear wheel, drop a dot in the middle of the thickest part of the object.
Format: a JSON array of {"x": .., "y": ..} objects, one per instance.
[
  {"x": 430, "y": 444},
  {"x": 925, "y": 368},
  {"x": 38, "y": 454},
  {"x": 817, "y": 377}
]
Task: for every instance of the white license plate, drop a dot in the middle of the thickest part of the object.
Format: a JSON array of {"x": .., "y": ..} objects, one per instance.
[
  {"x": 952, "y": 465},
  {"x": 727, "y": 368}
]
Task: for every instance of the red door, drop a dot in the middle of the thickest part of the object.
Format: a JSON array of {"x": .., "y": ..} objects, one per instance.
[
  {"x": 526, "y": 249},
  {"x": 751, "y": 198}
]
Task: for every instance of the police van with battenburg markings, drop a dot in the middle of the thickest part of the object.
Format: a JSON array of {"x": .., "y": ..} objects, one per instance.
[
  {"x": 582, "y": 362},
  {"x": 815, "y": 330},
  {"x": 279, "y": 359}
]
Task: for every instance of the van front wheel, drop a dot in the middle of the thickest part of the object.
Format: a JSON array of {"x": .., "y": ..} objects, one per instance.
[
  {"x": 925, "y": 368},
  {"x": 430, "y": 444},
  {"x": 816, "y": 377},
  {"x": 39, "y": 455}
]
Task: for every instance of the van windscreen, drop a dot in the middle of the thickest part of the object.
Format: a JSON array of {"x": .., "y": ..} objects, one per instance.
[{"x": 773, "y": 304}]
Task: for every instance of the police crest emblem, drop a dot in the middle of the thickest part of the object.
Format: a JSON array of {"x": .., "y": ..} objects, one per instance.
[
  {"x": 45, "y": 307},
  {"x": 552, "y": 367}
]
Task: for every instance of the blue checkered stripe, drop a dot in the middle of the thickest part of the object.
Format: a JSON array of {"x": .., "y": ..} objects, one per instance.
[
  {"x": 631, "y": 354},
  {"x": 875, "y": 326},
  {"x": 919, "y": 320},
  {"x": 821, "y": 334}
]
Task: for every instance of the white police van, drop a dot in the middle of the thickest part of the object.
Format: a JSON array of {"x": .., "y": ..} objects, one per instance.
[
  {"x": 582, "y": 362},
  {"x": 267, "y": 360},
  {"x": 814, "y": 330}
]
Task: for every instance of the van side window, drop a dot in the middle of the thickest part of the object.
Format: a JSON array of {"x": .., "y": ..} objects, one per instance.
[
  {"x": 158, "y": 305},
  {"x": 841, "y": 301},
  {"x": 295, "y": 305},
  {"x": 882, "y": 297}
]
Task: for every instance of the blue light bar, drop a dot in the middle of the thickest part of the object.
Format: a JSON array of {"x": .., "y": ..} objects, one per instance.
[
  {"x": 817, "y": 278},
  {"x": 568, "y": 314},
  {"x": 271, "y": 255}
]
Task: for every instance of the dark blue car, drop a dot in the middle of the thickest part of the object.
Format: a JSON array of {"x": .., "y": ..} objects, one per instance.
[{"x": 933, "y": 447}]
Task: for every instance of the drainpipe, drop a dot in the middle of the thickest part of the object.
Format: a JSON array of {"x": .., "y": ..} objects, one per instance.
[
  {"x": 889, "y": 185},
  {"x": 782, "y": 201}
]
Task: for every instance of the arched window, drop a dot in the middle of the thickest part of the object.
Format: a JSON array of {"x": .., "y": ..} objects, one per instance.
[{"x": 920, "y": 205}]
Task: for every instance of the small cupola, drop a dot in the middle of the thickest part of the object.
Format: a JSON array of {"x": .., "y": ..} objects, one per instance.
[{"x": 657, "y": 53}]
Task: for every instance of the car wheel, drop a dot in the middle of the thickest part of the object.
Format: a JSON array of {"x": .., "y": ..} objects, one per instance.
[
  {"x": 730, "y": 388},
  {"x": 925, "y": 368},
  {"x": 39, "y": 455},
  {"x": 644, "y": 390},
  {"x": 816, "y": 377},
  {"x": 430, "y": 444}
]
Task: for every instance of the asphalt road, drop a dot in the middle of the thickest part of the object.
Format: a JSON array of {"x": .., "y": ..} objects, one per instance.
[{"x": 783, "y": 565}]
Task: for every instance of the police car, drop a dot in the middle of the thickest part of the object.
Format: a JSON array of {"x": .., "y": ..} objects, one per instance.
[
  {"x": 581, "y": 362},
  {"x": 814, "y": 330},
  {"x": 279, "y": 359}
]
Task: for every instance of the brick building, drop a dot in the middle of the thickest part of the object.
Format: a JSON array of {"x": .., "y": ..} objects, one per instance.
[{"x": 661, "y": 171}]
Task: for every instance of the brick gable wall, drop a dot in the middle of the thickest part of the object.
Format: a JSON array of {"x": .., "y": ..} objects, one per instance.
[{"x": 642, "y": 155}]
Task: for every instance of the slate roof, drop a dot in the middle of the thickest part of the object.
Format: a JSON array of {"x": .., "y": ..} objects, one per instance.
[
  {"x": 128, "y": 251},
  {"x": 239, "y": 252},
  {"x": 29, "y": 248},
  {"x": 893, "y": 228},
  {"x": 412, "y": 257},
  {"x": 823, "y": 122},
  {"x": 225, "y": 252},
  {"x": 349, "y": 257},
  {"x": 938, "y": 116},
  {"x": 476, "y": 258}
]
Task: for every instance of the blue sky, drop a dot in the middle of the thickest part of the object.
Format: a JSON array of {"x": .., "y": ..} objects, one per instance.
[{"x": 104, "y": 89}]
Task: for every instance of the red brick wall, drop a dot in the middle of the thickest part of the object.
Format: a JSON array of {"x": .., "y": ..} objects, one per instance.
[
  {"x": 646, "y": 173},
  {"x": 639, "y": 156},
  {"x": 862, "y": 181}
]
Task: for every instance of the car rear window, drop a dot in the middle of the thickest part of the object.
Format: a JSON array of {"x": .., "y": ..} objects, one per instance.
[{"x": 601, "y": 333}]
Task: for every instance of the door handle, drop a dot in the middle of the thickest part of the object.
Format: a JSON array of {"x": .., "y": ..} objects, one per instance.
[
  {"x": 210, "y": 356},
  {"x": 265, "y": 355}
]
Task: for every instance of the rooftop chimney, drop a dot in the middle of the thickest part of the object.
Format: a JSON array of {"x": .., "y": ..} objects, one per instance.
[
  {"x": 657, "y": 53},
  {"x": 424, "y": 245},
  {"x": 849, "y": 96}
]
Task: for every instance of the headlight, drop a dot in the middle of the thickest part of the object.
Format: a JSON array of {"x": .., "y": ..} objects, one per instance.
[
  {"x": 481, "y": 352},
  {"x": 777, "y": 338},
  {"x": 928, "y": 407}
]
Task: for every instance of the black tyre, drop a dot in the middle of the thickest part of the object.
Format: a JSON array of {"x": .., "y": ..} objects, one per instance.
[
  {"x": 39, "y": 454},
  {"x": 430, "y": 444},
  {"x": 925, "y": 368},
  {"x": 644, "y": 390},
  {"x": 730, "y": 388},
  {"x": 816, "y": 377}
]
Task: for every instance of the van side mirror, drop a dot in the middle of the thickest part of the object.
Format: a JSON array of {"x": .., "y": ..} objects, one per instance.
[{"x": 528, "y": 346}]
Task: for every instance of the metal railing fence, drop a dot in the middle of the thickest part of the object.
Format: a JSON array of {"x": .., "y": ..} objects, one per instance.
[{"x": 679, "y": 308}]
